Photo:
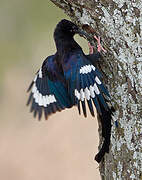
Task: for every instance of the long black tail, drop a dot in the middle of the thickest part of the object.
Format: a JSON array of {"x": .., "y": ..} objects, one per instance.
[{"x": 106, "y": 131}]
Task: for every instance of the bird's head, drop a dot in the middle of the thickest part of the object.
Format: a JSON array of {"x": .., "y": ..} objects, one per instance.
[{"x": 67, "y": 28}]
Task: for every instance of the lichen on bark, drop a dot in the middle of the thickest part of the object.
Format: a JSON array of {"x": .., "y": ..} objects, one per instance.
[{"x": 119, "y": 23}]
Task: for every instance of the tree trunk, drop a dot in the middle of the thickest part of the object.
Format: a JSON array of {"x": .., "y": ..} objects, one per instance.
[{"x": 119, "y": 23}]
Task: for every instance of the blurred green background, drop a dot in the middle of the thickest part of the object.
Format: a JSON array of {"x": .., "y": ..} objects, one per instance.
[
  {"x": 62, "y": 147},
  {"x": 24, "y": 25}
]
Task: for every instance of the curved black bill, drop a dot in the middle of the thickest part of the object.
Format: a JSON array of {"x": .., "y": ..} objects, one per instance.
[{"x": 83, "y": 33}]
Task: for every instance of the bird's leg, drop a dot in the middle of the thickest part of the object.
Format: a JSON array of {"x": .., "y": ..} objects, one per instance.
[
  {"x": 99, "y": 46},
  {"x": 94, "y": 57},
  {"x": 90, "y": 49}
]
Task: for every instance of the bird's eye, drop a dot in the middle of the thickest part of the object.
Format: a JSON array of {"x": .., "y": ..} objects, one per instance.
[{"x": 74, "y": 28}]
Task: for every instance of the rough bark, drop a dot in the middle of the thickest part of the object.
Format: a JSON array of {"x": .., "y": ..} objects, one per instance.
[{"x": 119, "y": 23}]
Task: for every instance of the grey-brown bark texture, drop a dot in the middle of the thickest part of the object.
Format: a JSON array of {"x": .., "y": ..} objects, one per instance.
[{"x": 119, "y": 23}]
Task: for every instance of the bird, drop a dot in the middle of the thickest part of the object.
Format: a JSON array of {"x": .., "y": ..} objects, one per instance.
[{"x": 70, "y": 78}]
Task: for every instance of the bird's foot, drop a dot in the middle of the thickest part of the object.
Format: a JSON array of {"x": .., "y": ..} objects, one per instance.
[
  {"x": 90, "y": 48},
  {"x": 99, "y": 46}
]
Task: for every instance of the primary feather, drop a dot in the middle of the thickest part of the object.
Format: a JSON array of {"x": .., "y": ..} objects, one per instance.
[{"x": 70, "y": 78}]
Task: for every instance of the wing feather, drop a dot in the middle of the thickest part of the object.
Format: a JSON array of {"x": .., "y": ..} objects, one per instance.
[
  {"x": 48, "y": 95},
  {"x": 85, "y": 83}
]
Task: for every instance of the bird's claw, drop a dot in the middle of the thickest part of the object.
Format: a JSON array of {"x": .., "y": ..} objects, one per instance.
[
  {"x": 90, "y": 48},
  {"x": 99, "y": 46}
]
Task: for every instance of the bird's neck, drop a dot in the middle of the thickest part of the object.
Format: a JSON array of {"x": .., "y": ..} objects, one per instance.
[{"x": 66, "y": 45}]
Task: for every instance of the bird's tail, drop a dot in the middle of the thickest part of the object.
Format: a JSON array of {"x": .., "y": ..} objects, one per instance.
[{"x": 105, "y": 119}]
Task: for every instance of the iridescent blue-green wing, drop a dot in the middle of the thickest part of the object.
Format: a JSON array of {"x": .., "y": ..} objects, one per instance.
[
  {"x": 48, "y": 93},
  {"x": 85, "y": 85}
]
